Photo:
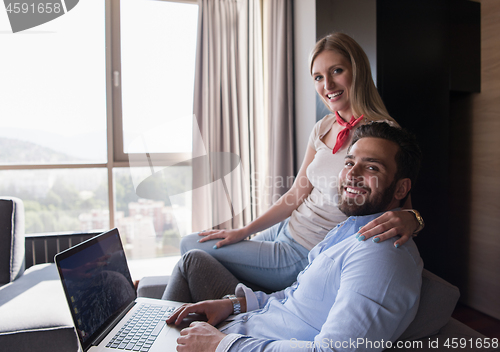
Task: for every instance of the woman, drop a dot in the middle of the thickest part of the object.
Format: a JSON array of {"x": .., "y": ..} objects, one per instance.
[{"x": 303, "y": 216}]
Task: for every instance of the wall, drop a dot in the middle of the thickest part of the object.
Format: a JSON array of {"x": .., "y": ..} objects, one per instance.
[
  {"x": 355, "y": 18},
  {"x": 483, "y": 289},
  {"x": 472, "y": 244},
  {"x": 413, "y": 66}
]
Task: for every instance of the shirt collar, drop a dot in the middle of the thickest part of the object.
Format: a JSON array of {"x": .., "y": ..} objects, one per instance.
[
  {"x": 352, "y": 223},
  {"x": 345, "y": 230}
]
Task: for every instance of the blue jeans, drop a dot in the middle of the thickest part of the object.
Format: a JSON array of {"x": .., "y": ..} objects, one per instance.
[{"x": 271, "y": 259}]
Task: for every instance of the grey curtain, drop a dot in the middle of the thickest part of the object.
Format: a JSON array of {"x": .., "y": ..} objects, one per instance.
[
  {"x": 278, "y": 42},
  {"x": 243, "y": 141}
]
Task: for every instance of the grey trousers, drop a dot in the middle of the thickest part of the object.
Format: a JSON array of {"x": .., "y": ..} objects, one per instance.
[{"x": 197, "y": 277}]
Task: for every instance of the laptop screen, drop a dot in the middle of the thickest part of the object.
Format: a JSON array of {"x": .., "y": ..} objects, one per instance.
[{"x": 97, "y": 283}]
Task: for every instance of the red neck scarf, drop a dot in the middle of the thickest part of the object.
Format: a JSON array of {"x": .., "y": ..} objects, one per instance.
[{"x": 344, "y": 134}]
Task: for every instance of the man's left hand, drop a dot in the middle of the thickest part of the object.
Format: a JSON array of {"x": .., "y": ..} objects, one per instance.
[{"x": 199, "y": 336}]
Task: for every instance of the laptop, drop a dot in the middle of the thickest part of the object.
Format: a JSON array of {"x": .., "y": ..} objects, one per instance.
[{"x": 106, "y": 311}]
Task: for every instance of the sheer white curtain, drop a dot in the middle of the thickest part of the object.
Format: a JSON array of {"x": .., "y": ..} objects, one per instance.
[{"x": 239, "y": 123}]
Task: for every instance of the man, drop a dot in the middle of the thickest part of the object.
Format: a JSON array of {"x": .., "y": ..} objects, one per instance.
[{"x": 353, "y": 295}]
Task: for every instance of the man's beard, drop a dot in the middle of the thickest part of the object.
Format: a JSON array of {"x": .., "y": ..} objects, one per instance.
[{"x": 353, "y": 207}]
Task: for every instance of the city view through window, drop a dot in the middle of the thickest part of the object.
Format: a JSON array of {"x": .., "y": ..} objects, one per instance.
[{"x": 76, "y": 200}]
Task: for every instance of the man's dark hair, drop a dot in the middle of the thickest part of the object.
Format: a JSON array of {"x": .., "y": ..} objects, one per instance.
[{"x": 409, "y": 155}]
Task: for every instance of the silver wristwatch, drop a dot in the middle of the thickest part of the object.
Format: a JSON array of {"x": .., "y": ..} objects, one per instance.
[{"x": 236, "y": 303}]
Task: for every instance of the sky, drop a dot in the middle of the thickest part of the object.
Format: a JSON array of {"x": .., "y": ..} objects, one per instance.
[{"x": 52, "y": 77}]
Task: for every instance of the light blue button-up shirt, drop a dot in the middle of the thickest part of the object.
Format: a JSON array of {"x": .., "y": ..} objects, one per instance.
[{"x": 352, "y": 296}]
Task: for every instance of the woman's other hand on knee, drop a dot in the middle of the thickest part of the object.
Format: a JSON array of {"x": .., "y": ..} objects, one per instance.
[{"x": 228, "y": 236}]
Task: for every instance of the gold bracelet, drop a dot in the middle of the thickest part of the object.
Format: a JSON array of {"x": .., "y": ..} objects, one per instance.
[{"x": 420, "y": 219}]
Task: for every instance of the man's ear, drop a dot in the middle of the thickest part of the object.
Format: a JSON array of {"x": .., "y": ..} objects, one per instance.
[{"x": 403, "y": 186}]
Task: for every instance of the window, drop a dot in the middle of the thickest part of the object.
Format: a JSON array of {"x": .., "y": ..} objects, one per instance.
[
  {"x": 84, "y": 98},
  {"x": 60, "y": 200},
  {"x": 158, "y": 52},
  {"x": 53, "y": 90}
]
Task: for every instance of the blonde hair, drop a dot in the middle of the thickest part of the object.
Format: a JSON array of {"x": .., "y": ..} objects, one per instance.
[{"x": 365, "y": 99}]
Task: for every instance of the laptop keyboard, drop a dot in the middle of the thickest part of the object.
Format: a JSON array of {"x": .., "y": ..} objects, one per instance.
[{"x": 142, "y": 329}]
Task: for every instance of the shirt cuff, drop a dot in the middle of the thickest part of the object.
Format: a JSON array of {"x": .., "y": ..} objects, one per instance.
[
  {"x": 226, "y": 343},
  {"x": 251, "y": 298}
]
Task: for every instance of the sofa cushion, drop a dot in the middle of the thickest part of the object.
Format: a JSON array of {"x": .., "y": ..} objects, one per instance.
[
  {"x": 34, "y": 314},
  {"x": 59, "y": 339},
  {"x": 11, "y": 239},
  {"x": 437, "y": 302},
  {"x": 453, "y": 333},
  {"x": 438, "y": 299},
  {"x": 152, "y": 286}
]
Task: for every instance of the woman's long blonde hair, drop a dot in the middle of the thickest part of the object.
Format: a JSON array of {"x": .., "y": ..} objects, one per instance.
[{"x": 365, "y": 99}]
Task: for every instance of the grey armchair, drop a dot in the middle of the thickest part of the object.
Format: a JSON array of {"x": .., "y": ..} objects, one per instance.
[{"x": 34, "y": 315}]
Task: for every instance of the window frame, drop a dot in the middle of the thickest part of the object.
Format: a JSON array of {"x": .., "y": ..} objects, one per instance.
[{"x": 119, "y": 156}]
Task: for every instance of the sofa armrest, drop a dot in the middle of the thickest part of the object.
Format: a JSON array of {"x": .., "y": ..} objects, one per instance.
[{"x": 152, "y": 286}]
